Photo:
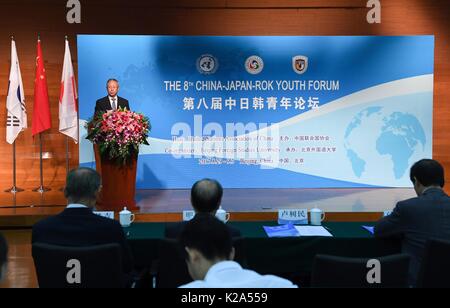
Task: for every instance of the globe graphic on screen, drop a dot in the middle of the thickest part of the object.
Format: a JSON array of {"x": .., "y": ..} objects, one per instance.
[{"x": 372, "y": 135}]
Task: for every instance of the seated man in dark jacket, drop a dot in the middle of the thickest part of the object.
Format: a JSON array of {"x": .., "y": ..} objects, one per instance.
[
  {"x": 206, "y": 196},
  {"x": 77, "y": 225},
  {"x": 422, "y": 218}
]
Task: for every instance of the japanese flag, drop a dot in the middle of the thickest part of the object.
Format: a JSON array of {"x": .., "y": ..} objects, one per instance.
[{"x": 68, "y": 107}]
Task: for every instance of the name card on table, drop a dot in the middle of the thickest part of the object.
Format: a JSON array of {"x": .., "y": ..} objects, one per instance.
[
  {"x": 109, "y": 215},
  {"x": 293, "y": 216},
  {"x": 188, "y": 215}
]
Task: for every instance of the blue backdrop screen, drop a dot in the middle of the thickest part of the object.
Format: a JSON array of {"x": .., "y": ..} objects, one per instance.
[{"x": 268, "y": 112}]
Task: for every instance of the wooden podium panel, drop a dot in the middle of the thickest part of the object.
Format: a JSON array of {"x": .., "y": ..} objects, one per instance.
[{"x": 119, "y": 184}]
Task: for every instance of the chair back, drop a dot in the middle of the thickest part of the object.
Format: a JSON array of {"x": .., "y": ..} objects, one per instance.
[
  {"x": 78, "y": 267},
  {"x": 341, "y": 272},
  {"x": 435, "y": 268}
]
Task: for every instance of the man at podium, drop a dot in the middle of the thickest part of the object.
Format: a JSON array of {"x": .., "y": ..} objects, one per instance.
[{"x": 112, "y": 101}]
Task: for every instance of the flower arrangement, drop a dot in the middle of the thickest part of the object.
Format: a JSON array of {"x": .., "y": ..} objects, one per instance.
[{"x": 119, "y": 134}]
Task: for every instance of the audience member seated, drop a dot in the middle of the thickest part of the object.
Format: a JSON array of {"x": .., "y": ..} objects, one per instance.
[
  {"x": 3, "y": 257},
  {"x": 206, "y": 197},
  {"x": 77, "y": 225},
  {"x": 209, "y": 253},
  {"x": 422, "y": 218}
]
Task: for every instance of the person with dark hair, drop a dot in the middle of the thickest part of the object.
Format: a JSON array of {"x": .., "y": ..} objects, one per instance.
[
  {"x": 112, "y": 101},
  {"x": 427, "y": 173},
  {"x": 206, "y": 197},
  {"x": 209, "y": 256},
  {"x": 77, "y": 225},
  {"x": 422, "y": 218},
  {"x": 3, "y": 257}
]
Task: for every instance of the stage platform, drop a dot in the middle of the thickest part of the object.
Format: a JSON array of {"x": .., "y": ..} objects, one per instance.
[{"x": 25, "y": 208}]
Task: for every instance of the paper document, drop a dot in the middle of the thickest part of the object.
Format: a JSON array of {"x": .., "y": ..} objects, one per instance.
[
  {"x": 281, "y": 231},
  {"x": 313, "y": 231},
  {"x": 370, "y": 229}
]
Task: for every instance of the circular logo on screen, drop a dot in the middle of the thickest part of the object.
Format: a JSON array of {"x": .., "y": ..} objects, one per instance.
[
  {"x": 254, "y": 65},
  {"x": 207, "y": 64}
]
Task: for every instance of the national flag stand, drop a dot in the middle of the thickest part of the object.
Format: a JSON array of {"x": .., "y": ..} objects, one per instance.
[
  {"x": 16, "y": 110},
  {"x": 68, "y": 107},
  {"x": 41, "y": 112},
  {"x": 14, "y": 189},
  {"x": 41, "y": 189}
]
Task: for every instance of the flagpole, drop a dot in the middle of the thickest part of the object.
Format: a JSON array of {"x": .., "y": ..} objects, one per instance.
[
  {"x": 67, "y": 155},
  {"x": 14, "y": 189},
  {"x": 67, "y": 160},
  {"x": 41, "y": 189}
]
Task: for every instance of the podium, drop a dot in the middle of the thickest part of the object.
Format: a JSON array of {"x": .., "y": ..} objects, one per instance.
[{"x": 119, "y": 183}]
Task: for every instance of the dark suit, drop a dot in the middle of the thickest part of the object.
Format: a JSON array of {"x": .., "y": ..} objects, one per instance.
[
  {"x": 104, "y": 104},
  {"x": 80, "y": 227},
  {"x": 416, "y": 220},
  {"x": 173, "y": 230}
]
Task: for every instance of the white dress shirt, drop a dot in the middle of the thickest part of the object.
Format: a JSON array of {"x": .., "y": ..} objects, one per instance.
[
  {"x": 229, "y": 274},
  {"x": 114, "y": 106},
  {"x": 77, "y": 206}
]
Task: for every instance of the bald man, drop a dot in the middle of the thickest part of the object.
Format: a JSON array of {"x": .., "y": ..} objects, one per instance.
[{"x": 206, "y": 197}]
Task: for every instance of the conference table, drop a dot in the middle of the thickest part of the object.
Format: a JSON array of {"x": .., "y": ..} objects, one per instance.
[{"x": 275, "y": 255}]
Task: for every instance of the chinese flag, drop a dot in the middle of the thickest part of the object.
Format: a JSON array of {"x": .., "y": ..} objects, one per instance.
[{"x": 41, "y": 112}]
